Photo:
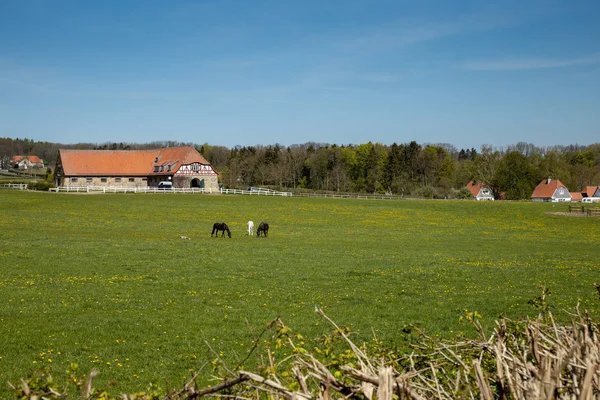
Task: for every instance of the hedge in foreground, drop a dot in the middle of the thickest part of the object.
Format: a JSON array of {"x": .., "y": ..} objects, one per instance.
[{"x": 533, "y": 358}]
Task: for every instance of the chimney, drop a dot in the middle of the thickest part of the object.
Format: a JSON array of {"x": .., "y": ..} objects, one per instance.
[{"x": 548, "y": 181}]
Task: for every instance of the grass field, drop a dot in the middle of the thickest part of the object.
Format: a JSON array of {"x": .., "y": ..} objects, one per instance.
[{"x": 106, "y": 282}]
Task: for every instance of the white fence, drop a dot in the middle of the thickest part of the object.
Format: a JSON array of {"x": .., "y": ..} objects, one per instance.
[
  {"x": 252, "y": 192},
  {"x": 118, "y": 189},
  {"x": 256, "y": 192},
  {"x": 148, "y": 189},
  {"x": 19, "y": 186},
  {"x": 351, "y": 196}
]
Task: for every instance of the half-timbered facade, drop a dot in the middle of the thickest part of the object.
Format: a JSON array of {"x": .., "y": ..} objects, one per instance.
[{"x": 183, "y": 166}]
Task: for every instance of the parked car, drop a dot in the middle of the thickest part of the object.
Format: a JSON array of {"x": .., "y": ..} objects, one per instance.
[
  {"x": 591, "y": 200},
  {"x": 165, "y": 185}
]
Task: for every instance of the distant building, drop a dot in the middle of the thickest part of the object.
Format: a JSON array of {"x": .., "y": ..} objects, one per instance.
[
  {"x": 591, "y": 191},
  {"x": 26, "y": 162},
  {"x": 576, "y": 196},
  {"x": 551, "y": 190},
  {"x": 183, "y": 166},
  {"x": 480, "y": 191}
]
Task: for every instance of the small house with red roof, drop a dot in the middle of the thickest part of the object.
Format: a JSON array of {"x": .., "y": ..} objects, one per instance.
[
  {"x": 591, "y": 191},
  {"x": 26, "y": 162},
  {"x": 591, "y": 194},
  {"x": 551, "y": 190},
  {"x": 576, "y": 196},
  {"x": 183, "y": 166},
  {"x": 480, "y": 191}
]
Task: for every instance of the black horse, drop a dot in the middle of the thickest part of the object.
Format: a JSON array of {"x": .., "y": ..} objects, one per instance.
[
  {"x": 264, "y": 228},
  {"x": 220, "y": 226}
]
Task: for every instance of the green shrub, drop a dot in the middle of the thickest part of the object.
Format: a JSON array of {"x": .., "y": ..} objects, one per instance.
[
  {"x": 425, "y": 192},
  {"x": 32, "y": 185},
  {"x": 464, "y": 194},
  {"x": 41, "y": 185}
]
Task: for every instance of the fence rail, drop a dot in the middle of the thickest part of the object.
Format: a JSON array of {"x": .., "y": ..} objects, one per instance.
[
  {"x": 351, "y": 196},
  {"x": 255, "y": 192},
  {"x": 593, "y": 212},
  {"x": 252, "y": 192},
  {"x": 19, "y": 186},
  {"x": 576, "y": 209},
  {"x": 122, "y": 189},
  {"x": 148, "y": 189}
]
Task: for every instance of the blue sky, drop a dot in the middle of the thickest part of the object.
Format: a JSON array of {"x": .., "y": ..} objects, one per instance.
[{"x": 250, "y": 72}]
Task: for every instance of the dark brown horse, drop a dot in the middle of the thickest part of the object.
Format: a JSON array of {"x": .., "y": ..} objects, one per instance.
[
  {"x": 264, "y": 228},
  {"x": 220, "y": 226}
]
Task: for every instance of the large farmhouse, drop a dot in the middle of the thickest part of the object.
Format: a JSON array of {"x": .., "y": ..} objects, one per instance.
[
  {"x": 551, "y": 190},
  {"x": 184, "y": 167}
]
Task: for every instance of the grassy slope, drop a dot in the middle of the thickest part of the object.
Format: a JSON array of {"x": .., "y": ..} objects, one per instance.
[{"x": 106, "y": 281}]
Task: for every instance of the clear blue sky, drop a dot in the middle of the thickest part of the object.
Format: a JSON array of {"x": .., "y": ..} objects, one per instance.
[{"x": 249, "y": 72}]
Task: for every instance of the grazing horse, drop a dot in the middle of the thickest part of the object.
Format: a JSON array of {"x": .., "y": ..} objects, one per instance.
[
  {"x": 222, "y": 226},
  {"x": 264, "y": 228},
  {"x": 250, "y": 228}
]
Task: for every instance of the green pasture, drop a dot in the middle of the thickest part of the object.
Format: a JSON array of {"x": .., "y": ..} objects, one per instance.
[{"x": 105, "y": 281}]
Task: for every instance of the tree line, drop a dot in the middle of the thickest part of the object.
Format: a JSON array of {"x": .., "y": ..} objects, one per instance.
[{"x": 405, "y": 169}]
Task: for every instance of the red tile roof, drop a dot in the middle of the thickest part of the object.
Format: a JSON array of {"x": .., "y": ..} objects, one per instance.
[
  {"x": 589, "y": 191},
  {"x": 33, "y": 159},
  {"x": 546, "y": 189},
  {"x": 127, "y": 162},
  {"x": 576, "y": 196},
  {"x": 474, "y": 187}
]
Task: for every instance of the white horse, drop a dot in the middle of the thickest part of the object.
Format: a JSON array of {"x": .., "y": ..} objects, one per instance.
[{"x": 250, "y": 228}]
